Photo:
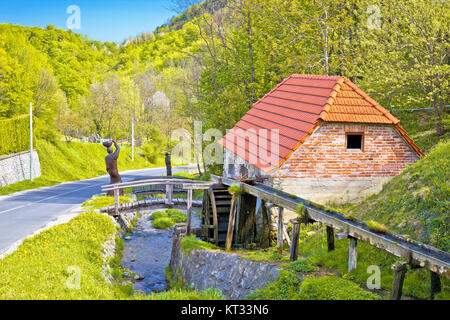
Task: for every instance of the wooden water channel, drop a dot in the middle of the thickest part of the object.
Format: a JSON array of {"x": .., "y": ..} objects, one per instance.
[{"x": 222, "y": 224}]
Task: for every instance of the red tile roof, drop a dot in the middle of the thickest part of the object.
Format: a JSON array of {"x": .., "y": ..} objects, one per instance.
[{"x": 296, "y": 107}]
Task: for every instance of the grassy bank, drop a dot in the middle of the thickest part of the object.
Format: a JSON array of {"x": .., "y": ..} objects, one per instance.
[
  {"x": 416, "y": 202},
  {"x": 47, "y": 266},
  {"x": 62, "y": 162}
]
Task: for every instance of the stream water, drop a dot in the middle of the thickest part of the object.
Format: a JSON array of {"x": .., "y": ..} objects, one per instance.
[{"x": 148, "y": 251}]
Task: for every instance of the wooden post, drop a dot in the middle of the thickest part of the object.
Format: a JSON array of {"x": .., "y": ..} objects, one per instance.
[
  {"x": 294, "y": 242},
  {"x": 330, "y": 238},
  {"x": 215, "y": 220},
  {"x": 280, "y": 231},
  {"x": 169, "y": 192},
  {"x": 399, "y": 277},
  {"x": 189, "y": 212},
  {"x": 231, "y": 222},
  {"x": 352, "y": 254},
  {"x": 435, "y": 284},
  {"x": 116, "y": 202}
]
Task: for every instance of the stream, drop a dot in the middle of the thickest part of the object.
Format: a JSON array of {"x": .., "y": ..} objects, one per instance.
[{"x": 148, "y": 251}]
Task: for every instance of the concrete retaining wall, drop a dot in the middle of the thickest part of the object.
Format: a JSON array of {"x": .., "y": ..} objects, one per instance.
[
  {"x": 234, "y": 276},
  {"x": 16, "y": 167}
]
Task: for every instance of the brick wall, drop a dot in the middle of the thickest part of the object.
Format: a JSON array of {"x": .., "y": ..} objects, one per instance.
[{"x": 324, "y": 154}]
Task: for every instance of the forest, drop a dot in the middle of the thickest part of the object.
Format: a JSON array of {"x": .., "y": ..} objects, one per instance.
[{"x": 216, "y": 58}]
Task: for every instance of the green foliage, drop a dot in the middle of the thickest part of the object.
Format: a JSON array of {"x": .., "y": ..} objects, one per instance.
[
  {"x": 163, "y": 223},
  {"x": 333, "y": 288},
  {"x": 39, "y": 269},
  {"x": 159, "y": 214},
  {"x": 286, "y": 287},
  {"x": 176, "y": 215},
  {"x": 191, "y": 242},
  {"x": 301, "y": 265},
  {"x": 351, "y": 217},
  {"x": 104, "y": 201},
  {"x": 234, "y": 189},
  {"x": 415, "y": 203},
  {"x": 269, "y": 255},
  {"x": 377, "y": 227},
  {"x": 186, "y": 294},
  {"x": 14, "y": 135}
]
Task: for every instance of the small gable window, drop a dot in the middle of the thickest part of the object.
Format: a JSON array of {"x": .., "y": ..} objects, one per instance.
[{"x": 355, "y": 141}]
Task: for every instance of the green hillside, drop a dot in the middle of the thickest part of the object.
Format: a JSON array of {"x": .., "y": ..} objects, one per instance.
[{"x": 416, "y": 202}]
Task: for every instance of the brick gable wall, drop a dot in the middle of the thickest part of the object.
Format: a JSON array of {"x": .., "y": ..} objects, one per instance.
[{"x": 324, "y": 154}]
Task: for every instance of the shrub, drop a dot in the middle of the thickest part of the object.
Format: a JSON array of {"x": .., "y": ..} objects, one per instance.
[
  {"x": 14, "y": 135},
  {"x": 162, "y": 223},
  {"x": 159, "y": 214},
  {"x": 176, "y": 215},
  {"x": 191, "y": 242},
  {"x": 377, "y": 227},
  {"x": 234, "y": 189},
  {"x": 104, "y": 201},
  {"x": 333, "y": 288}
]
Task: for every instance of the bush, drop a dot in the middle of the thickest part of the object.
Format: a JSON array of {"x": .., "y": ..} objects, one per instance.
[
  {"x": 176, "y": 215},
  {"x": 162, "y": 223},
  {"x": 333, "y": 288},
  {"x": 14, "y": 135},
  {"x": 286, "y": 287},
  {"x": 159, "y": 214}
]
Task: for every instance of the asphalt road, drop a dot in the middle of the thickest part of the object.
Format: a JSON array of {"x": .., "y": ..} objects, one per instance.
[{"x": 26, "y": 212}]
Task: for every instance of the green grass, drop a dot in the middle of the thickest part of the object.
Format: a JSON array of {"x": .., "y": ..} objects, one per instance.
[
  {"x": 191, "y": 242},
  {"x": 301, "y": 265},
  {"x": 168, "y": 218},
  {"x": 377, "y": 227},
  {"x": 416, "y": 202},
  {"x": 104, "y": 201},
  {"x": 176, "y": 215},
  {"x": 289, "y": 287},
  {"x": 159, "y": 214},
  {"x": 313, "y": 246},
  {"x": 62, "y": 162},
  {"x": 266, "y": 255},
  {"x": 39, "y": 269},
  {"x": 163, "y": 223}
]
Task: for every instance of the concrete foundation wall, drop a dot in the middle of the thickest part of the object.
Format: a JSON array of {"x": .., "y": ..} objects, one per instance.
[
  {"x": 16, "y": 167},
  {"x": 332, "y": 190}
]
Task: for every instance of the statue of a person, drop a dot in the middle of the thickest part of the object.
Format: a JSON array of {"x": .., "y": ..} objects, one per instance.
[
  {"x": 111, "y": 164},
  {"x": 168, "y": 165}
]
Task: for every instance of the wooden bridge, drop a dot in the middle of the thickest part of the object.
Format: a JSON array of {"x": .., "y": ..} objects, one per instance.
[{"x": 224, "y": 225}]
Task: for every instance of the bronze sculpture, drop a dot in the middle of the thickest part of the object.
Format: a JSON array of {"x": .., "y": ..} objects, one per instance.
[{"x": 111, "y": 164}]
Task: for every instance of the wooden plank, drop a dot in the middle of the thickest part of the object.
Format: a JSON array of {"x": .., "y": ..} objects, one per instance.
[
  {"x": 294, "y": 242},
  {"x": 399, "y": 277},
  {"x": 169, "y": 194},
  {"x": 189, "y": 212},
  {"x": 417, "y": 253},
  {"x": 231, "y": 222},
  {"x": 280, "y": 237},
  {"x": 330, "y": 238},
  {"x": 352, "y": 254},
  {"x": 215, "y": 220}
]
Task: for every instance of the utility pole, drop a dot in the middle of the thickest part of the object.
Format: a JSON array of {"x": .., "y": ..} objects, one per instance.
[
  {"x": 132, "y": 139},
  {"x": 31, "y": 141}
]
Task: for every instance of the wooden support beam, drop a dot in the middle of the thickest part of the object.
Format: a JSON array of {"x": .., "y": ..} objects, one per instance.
[
  {"x": 399, "y": 277},
  {"x": 294, "y": 242},
  {"x": 215, "y": 219},
  {"x": 116, "y": 202},
  {"x": 231, "y": 222},
  {"x": 330, "y": 238},
  {"x": 189, "y": 212},
  {"x": 280, "y": 230},
  {"x": 352, "y": 254},
  {"x": 435, "y": 284},
  {"x": 342, "y": 235},
  {"x": 169, "y": 194}
]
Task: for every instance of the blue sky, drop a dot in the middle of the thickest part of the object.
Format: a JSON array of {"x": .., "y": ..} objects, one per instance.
[{"x": 104, "y": 20}]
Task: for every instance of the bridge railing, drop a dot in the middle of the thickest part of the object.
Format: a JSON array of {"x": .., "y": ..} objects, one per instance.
[{"x": 169, "y": 182}]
